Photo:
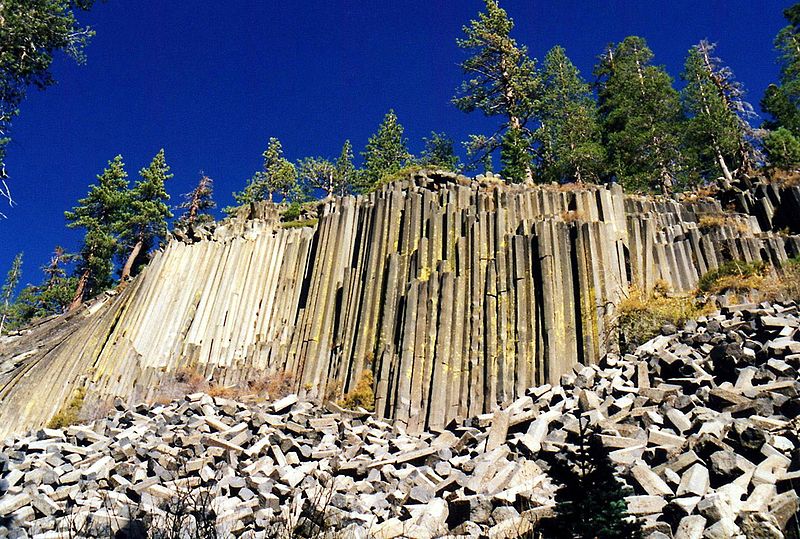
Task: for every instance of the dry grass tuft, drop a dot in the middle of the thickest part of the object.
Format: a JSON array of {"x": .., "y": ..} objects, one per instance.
[
  {"x": 640, "y": 316},
  {"x": 69, "y": 414},
  {"x": 273, "y": 386},
  {"x": 361, "y": 395},
  {"x": 571, "y": 216},
  {"x": 715, "y": 221}
]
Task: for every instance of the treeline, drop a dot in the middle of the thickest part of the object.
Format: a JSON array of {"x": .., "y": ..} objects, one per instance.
[
  {"x": 121, "y": 223},
  {"x": 630, "y": 126}
]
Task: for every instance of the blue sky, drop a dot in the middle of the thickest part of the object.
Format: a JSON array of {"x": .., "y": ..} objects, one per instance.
[{"x": 211, "y": 81}]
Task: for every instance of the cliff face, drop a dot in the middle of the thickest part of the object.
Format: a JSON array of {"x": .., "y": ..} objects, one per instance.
[{"x": 457, "y": 295}]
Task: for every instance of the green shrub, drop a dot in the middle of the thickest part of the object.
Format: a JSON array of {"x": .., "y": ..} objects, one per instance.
[{"x": 733, "y": 276}]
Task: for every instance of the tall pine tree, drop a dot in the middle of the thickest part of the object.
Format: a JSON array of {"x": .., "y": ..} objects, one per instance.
[
  {"x": 31, "y": 33},
  {"x": 782, "y": 101},
  {"x": 277, "y": 176},
  {"x": 8, "y": 290},
  {"x": 641, "y": 117},
  {"x": 100, "y": 214},
  {"x": 144, "y": 223},
  {"x": 568, "y": 140},
  {"x": 345, "y": 168},
  {"x": 386, "y": 153},
  {"x": 197, "y": 204},
  {"x": 718, "y": 131},
  {"x": 439, "y": 152},
  {"x": 501, "y": 81}
]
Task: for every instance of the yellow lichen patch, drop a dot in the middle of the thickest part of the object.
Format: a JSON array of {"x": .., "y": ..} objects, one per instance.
[{"x": 70, "y": 412}]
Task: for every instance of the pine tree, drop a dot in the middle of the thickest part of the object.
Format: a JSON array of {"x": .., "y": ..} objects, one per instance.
[
  {"x": 386, "y": 153},
  {"x": 52, "y": 297},
  {"x": 782, "y": 101},
  {"x": 144, "y": 223},
  {"x": 277, "y": 176},
  {"x": 345, "y": 169},
  {"x": 641, "y": 116},
  {"x": 319, "y": 173},
  {"x": 9, "y": 287},
  {"x": 501, "y": 81},
  {"x": 197, "y": 204},
  {"x": 31, "y": 33},
  {"x": 439, "y": 152},
  {"x": 99, "y": 214},
  {"x": 568, "y": 139},
  {"x": 590, "y": 503},
  {"x": 783, "y": 149},
  {"x": 717, "y": 129}
]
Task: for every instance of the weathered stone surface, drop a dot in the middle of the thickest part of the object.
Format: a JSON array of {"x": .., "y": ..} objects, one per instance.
[{"x": 716, "y": 469}]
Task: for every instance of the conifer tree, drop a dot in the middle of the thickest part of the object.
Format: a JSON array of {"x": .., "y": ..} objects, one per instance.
[
  {"x": 590, "y": 503},
  {"x": 144, "y": 223},
  {"x": 641, "y": 115},
  {"x": 782, "y": 101},
  {"x": 31, "y": 33},
  {"x": 277, "y": 176},
  {"x": 386, "y": 153},
  {"x": 9, "y": 287},
  {"x": 345, "y": 168},
  {"x": 501, "y": 81},
  {"x": 783, "y": 149},
  {"x": 320, "y": 173},
  {"x": 568, "y": 139},
  {"x": 52, "y": 297},
  {"x": 100, "y": 214},
  {"x": 717, "y": 129},
  {"x": 197, "y": 204},
  {"x": 439, "y": 152}
]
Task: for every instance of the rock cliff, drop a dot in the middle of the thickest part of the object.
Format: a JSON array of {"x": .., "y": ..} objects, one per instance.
[{"x": 457, "y": 294}]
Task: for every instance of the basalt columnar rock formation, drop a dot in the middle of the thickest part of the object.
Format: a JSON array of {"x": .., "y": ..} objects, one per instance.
[
  {"x": 701, "y": 423},
  {"x": 456, "y": 294}
]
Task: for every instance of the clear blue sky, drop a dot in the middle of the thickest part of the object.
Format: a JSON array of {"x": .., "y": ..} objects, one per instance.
[{"x": 212, "y": 81}]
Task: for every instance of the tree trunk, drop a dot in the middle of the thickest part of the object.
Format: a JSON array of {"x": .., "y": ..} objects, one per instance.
[
  {"x": 80, "y": 290},
  {"x": 725, "y": 170},
  {"x": 3, "y": 318},
  {"x": 126, "y": 269}
]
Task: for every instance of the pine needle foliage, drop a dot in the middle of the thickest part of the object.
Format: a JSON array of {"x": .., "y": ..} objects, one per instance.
[{"x": 590, "y": 504}]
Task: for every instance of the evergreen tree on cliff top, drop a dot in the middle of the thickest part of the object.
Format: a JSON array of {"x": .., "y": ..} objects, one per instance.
[
  {"x": 569, "y": 145},
  {"x": 439, "y": 152},
  {"x": 31, "y": 32},
  {"x": 718, "y": 130},
  {"x": 9, "y": 287},
  {"x": 345, "y": 168},
  {"x": 782, "y": 101},
  {"x": 501, "y": 80},
  {"x": 198, "y": 203},
  {"x": 641, "y": 117},
  {"x": 144, "y": 223},
  {"x": 277, "y": 176},
  {"x": 386, "y": 153},
  {"x": 99, "y": 214}
]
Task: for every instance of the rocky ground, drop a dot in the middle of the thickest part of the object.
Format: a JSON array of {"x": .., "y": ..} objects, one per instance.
[{"x": 702, "y": 423}]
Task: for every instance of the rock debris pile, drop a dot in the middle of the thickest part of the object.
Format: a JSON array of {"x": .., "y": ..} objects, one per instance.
[{"x": 702, "y": 424}]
